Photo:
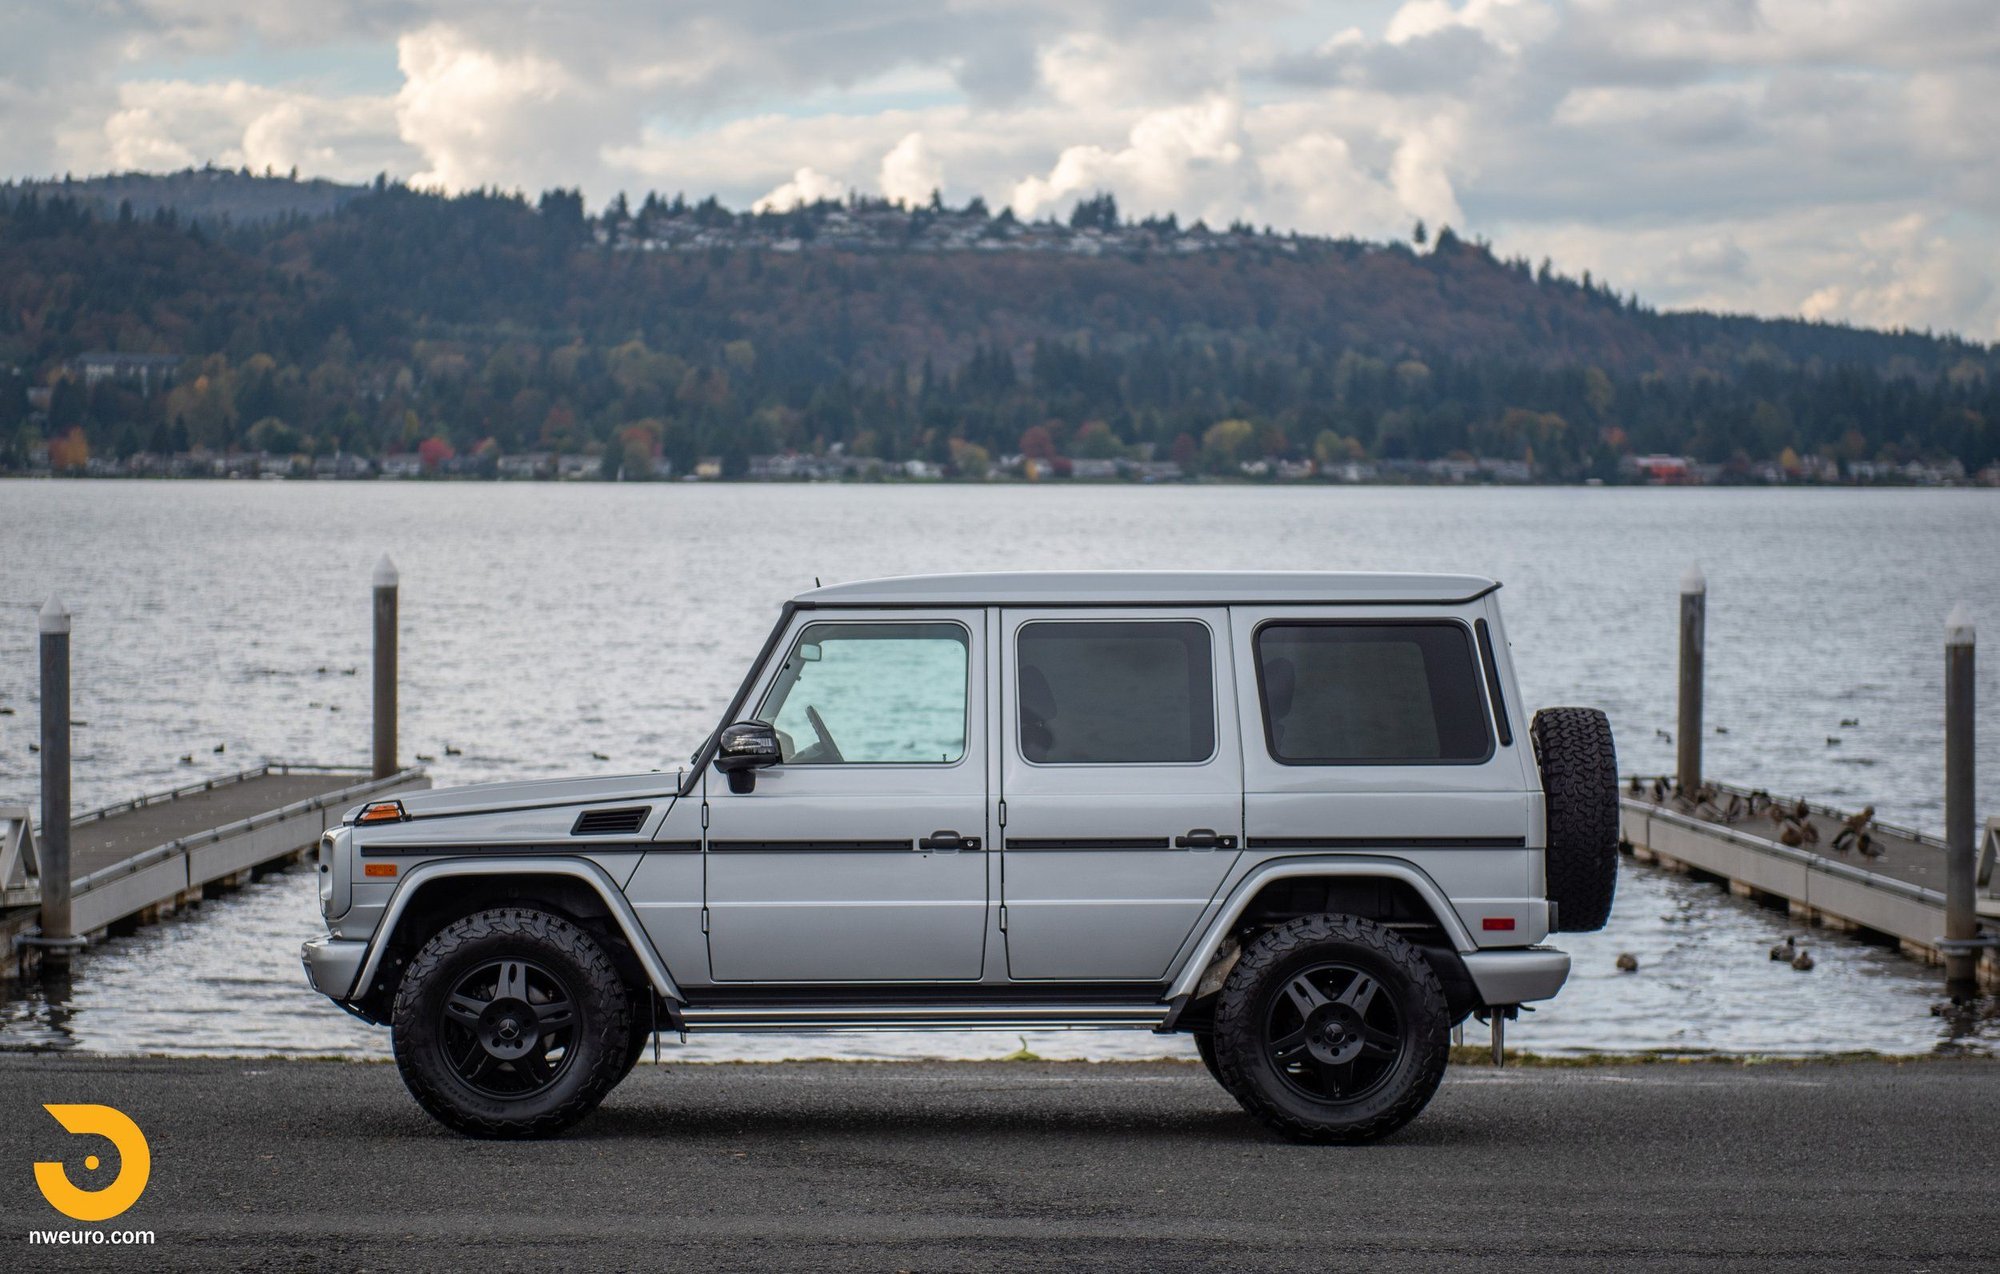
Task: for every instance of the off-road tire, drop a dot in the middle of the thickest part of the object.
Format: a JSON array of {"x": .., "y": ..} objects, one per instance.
[
  {"x": 641, "y": 1038},
  {"x": 1579, "y": 767},
  {"x": 1204, "y": 1044},
  {"x": 1242, "y": 1010},
  {"x": 598, "y": 995}
]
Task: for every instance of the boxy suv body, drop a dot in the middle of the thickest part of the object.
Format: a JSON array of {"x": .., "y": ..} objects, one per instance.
[{"x": 1303, "y": 817}]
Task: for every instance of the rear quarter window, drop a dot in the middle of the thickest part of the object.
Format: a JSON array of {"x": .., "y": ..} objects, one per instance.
[{"x": 1353, "y": 693}]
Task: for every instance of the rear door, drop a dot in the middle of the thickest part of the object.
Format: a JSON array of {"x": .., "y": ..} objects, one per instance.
[
  {"x": 1371, "y": 730},
  {"x": 1121, "y": 782}
]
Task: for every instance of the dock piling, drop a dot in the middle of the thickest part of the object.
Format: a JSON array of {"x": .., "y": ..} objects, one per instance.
[
  {"x": 386, "y": 585},
  {"x": 1961, "y": 921},
  {"x": 1694, "y": 623},
  {"x": 58, "y": 931}
]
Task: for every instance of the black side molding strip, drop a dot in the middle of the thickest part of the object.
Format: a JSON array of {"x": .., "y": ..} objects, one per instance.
[
  {"x": 1389, "y": 842},
  {"x": 1086, "y": 842},
  {"x": 570, "y": 849},
  {"x": 809, "y": 846},
  {"x": 1493, "y": 683}
]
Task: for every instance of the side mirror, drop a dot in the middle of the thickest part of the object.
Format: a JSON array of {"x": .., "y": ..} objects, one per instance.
[{"x": 743, "y": 749}]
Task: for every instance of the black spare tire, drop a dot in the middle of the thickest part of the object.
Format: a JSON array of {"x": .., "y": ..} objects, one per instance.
[{"x": 1580, "y": 780}]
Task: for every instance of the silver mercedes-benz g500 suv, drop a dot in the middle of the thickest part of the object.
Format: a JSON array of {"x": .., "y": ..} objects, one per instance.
[{"x": 1304, "y": 818}]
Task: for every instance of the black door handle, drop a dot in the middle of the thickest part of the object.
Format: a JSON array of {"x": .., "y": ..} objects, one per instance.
[
  {"x": 947, "y": 840},
  {"x": 1204, "y": 838}
]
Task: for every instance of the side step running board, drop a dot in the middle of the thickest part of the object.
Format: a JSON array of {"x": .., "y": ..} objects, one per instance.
[{"x": 901, "y": 1017}]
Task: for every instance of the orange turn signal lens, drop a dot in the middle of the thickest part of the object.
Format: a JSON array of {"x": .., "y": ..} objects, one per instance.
[
  {"x": 383, "y": 812},
  {"x": 379, "y": 869}
]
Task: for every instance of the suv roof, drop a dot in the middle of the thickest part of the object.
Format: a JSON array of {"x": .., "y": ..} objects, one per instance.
[{"x": 1170, "y": 588}]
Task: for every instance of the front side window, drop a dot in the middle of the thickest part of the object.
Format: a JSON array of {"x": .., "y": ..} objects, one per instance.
[
  {"x": 871, "y": 694},
  {"x": 1115, "y": 692},
  {"x": 1371, "y": 694}
]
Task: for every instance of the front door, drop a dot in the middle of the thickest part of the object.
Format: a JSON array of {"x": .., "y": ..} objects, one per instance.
[
  {"x": 860, "y": 856},
  {"x": 1122, "y": 781}
]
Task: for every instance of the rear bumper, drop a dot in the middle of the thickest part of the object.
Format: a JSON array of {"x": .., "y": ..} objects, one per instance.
[
  {"x": 1518, "y": 975},
  {"x": 332, "y": 964}
]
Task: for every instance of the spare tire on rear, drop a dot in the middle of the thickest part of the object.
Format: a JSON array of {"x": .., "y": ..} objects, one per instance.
[{"x": 1580, "y": 779}]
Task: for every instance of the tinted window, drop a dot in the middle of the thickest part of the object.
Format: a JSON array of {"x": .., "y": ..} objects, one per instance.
[
  {"x": 1126, "y": 693},
  {"x": 1370, "y": 693},
  {"x": 881, "y": 692}
]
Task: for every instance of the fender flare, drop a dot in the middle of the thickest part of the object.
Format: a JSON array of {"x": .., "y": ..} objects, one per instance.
[
  {"x": 581, "y": 869},
  {"x": 1346, "y": 865}
]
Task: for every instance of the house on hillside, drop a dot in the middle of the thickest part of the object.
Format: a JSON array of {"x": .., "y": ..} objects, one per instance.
[{"x": 150, "y": 371}]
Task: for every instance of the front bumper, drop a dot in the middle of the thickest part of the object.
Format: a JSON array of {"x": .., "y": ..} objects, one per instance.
[
  {"x": 332, "y": 965},
  {"x": 1517, "y": 975}
]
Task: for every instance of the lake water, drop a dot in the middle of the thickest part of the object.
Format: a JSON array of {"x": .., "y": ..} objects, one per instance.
[{"x": 546, "y": 623}]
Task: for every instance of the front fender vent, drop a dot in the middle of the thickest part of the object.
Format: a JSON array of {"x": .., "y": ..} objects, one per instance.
[{"x": 618, "y": 822}]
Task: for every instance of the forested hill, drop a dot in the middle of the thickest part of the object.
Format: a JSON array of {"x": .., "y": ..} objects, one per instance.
[{"x": 497, "y": 325}]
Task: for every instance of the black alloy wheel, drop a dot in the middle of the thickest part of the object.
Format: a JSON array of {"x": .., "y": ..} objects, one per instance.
[
  {"x": 1332, "y": 1028},
  {"x": 1332, "y": 1035},
  {"x": 508, "y": 1029},
  {"x": 512, "y": 1022}
]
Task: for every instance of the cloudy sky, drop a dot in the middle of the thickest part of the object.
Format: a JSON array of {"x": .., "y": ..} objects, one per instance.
[{"x": 1832, "y": 158}]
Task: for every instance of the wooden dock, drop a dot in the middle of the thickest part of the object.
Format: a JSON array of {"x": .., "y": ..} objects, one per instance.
[
  {"x": 140, "y": 860},
  {"x": 1896, "y": 894}
]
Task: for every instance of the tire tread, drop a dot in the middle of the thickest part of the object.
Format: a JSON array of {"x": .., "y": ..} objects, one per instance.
[
  {"x": 612, "y": 1031},
  {"x": 1235, "y": 1013},
  {"x": 1579, "y": 767}
]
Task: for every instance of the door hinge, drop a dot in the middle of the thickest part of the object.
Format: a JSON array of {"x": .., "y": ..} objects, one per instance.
[
  {"x": 1003, "y": 813},
  {"x": 1003, "y": 920},
  {"x": 704, "y": 920}
]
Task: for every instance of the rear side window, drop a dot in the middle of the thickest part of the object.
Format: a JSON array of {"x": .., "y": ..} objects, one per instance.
[
  {"x": 1115, "y": 692},
  {"x": 1371, "y": 694}
]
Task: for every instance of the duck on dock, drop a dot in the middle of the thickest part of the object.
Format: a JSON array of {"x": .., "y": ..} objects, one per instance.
[
  {"x": 1627, "y": 962},
  {"x": 1854, "y": 830}
]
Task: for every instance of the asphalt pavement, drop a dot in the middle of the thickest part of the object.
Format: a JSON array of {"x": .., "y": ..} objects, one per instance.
[{"x": 964, "y": 1166}]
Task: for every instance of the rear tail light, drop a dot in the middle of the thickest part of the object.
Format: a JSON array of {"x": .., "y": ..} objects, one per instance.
[{"x": 1500, "y": 923}]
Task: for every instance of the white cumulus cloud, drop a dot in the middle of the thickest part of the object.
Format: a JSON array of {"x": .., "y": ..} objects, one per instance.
[{"x": 1820, "y": 157}]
